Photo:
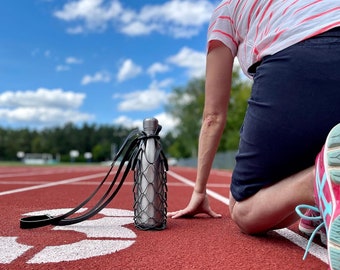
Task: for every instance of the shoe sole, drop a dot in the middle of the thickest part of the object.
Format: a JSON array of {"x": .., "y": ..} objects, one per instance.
[
  {"x": 333, "y": 161},
  {"x": 333, "y": 244},
  {"x": 307, "y": 231}
]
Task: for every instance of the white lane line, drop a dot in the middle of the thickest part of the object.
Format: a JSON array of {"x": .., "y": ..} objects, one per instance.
[
  {"x": 57, "y": 183},
  {"x": 192, "y": 184},
  {"x": 315, "y": 249},
  {"x": 27, "y": 173},
  {"x": 16, "y": 174}
]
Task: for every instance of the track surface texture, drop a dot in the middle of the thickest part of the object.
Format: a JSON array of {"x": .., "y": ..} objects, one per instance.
[{"x": 110, "y": 241}]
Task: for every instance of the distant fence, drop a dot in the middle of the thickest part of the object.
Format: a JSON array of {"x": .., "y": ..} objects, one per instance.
[
  {"x": 38, "y": 158},
  {"x": 224, "y": 160}
]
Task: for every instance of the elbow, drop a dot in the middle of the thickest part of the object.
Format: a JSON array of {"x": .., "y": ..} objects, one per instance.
[{"x": 214, "y": 119}]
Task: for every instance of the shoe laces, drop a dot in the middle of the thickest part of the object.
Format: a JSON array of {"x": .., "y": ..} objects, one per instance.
[{"x": 313, "y": 218}]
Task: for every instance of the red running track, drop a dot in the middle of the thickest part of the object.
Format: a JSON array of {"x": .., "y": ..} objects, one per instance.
[{"x": 110, "y": 240}]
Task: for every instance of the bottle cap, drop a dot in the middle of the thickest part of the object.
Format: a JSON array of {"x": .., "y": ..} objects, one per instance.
[{"x": 150, "y": 125}]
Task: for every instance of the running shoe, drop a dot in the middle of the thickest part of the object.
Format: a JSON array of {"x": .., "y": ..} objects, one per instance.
[
  {"x": 307, "y": 226},
  {"x": 311, "y": 217},
  {"x": 327, "y": 191}
]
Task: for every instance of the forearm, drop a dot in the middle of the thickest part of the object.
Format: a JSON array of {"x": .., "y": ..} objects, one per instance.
[{"x": 210, "y": 135}]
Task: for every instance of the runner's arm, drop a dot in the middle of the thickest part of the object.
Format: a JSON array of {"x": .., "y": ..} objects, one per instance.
[{"x": 217, "y": 93}]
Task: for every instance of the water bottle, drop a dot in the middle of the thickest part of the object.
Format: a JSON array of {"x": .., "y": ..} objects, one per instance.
[{"x": 150, "y": 181}]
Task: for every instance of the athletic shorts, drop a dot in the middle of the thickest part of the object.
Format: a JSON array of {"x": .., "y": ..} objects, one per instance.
[{"x": 295, "y": 101}]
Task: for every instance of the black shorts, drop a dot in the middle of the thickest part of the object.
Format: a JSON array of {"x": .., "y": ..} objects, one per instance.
[{"x": 295, "y": 101}]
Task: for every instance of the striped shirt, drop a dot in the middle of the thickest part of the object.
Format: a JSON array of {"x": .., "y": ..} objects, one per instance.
[{"x": 253, "y": 29}]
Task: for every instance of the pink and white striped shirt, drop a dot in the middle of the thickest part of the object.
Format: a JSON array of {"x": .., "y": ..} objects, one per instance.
[{"x": 253, "y": 29}]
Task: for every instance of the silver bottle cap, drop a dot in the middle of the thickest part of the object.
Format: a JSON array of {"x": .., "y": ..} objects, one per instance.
[{"x": 150, "y": 125}]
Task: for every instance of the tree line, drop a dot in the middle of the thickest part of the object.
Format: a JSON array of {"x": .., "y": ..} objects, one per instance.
[
  {"x": 59, "y": 141},
  {"x": 185, "y": 104}
]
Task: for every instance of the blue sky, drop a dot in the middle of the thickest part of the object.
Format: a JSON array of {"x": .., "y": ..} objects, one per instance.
[{"x": 97, "y": 61}]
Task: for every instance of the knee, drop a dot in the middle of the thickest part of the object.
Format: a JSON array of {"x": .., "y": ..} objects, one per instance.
[
  {"x": 240, "y": 219},
  {"x": 243, "y": 218}
]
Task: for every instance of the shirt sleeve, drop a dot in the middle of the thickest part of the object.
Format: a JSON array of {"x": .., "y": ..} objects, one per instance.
[{"x": 222, "y": 28}]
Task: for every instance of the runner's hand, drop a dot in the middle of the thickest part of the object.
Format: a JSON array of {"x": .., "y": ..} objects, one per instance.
[{"x": 199, "y": 204}]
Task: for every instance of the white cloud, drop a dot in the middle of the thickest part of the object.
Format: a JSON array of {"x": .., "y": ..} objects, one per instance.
[
  {"x": 162, "y": 84},
  {"x": 167, "y": 122},
  {"x": 137, "y": 28},
  {"x": 41, "y": 97},
  {"x": 183, "y": 32},
  {"x": 128, "y": 122},
  {"x": 179, "y": 18},
  {"x": 75, "y": 30},
  {"x": 192, "y": 60},
  {"x": 73, "y": 60},
  {"x": 69, "y": 61},
  {"x": 100, "y": 76},
  {"x": 157, "y": 68},
  {"x": 94, "y": 13},
  {"x": 42, "y": 106},
  {"x": 62, "y": 68},
  {"x": 179, "y": 12},
  {"x": 144, "y": 100},
  {"x": 43, "y": 116},
  {"x": 128, "y": 70}
]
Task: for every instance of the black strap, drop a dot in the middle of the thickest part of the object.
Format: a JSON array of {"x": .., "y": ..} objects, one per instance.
[{"x": 129, "y": 152}]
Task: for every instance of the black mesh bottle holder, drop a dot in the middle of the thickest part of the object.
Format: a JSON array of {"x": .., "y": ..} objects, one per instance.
[{"x": 150, "y": 182}]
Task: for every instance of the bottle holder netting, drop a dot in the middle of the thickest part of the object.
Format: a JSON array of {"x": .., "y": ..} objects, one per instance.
[{"x": 150, "y": 187}]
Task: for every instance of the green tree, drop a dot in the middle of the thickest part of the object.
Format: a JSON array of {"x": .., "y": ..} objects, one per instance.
[
  {"x": 101, "y": 151},
  {"x": 60, "y": 140},
  {"x": 186, "y": 104}
]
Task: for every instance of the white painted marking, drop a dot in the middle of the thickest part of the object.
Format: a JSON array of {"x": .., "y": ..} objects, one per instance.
[
  {"x": 105, "y": 236},
  {"x": 192, "y": 184},
  {"x": 81, "y": 250},
  {"x": 27, "y": 173},
  {"x": 315, "y": 249},
  {"x": 42, "y": 171},
  {"x": 10, "y": 249},
  {"x": 104, "y": 227},
  {"x": 51, "y": 184},
  {"x": 221, "y": 173}
]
